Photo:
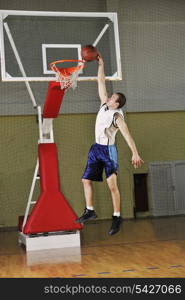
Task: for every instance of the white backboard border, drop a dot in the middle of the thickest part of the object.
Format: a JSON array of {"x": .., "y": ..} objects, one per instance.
[{"x": 6, "y": 77}]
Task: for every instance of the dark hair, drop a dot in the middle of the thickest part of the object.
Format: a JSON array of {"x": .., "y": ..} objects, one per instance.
[{"x": 121, "y": 99}]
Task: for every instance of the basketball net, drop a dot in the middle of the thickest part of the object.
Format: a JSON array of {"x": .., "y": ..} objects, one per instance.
[{"x": 67, "y": 76}]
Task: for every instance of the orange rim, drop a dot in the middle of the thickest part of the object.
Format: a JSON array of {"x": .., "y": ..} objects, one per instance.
[{"x": 66, "y": 71}]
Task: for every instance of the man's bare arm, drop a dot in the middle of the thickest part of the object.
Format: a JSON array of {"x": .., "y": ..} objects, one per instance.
[
  {"x": 136, "y": 159},
  {"x": 101, "y": 81}
]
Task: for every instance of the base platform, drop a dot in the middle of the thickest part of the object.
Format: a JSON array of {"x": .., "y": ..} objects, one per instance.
[
  {"x": 52, "y": 240},
  {"x": 54, "y": 256}
]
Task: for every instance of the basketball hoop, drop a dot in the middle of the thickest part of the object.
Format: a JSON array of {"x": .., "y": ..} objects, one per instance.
[{"x": 67, "y": 76}]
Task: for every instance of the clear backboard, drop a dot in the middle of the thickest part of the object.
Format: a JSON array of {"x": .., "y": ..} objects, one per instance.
[{"x": 31, "y": 40}]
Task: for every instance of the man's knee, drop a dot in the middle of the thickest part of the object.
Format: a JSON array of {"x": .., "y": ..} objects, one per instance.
[
  {"x": 112, "y": 183},
  {"x": 86, "y": 181},
  {"x": 113, "y": 188}
]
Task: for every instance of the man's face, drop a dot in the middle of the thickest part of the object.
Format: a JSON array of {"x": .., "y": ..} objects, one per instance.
[{"x": 111, "y": 102}]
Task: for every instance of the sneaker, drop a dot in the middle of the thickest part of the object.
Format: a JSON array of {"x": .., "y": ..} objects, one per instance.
[
  {"x": 115, "y": 227},
  {"x": 87, "y": 215}
]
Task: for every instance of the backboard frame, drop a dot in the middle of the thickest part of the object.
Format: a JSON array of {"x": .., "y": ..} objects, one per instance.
[{"x": 4, "y": 13}]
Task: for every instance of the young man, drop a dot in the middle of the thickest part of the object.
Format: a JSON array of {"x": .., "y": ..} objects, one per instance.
[{"x": 103, "y": 154}]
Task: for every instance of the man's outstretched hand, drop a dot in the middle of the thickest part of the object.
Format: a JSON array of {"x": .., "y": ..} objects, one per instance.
[
  {"x": 100, "y": 59},
  {"x": 136, "y": 161}
]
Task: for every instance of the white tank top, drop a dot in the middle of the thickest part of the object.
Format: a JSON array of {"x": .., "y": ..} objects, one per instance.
[{"x": 105, "y": 127}]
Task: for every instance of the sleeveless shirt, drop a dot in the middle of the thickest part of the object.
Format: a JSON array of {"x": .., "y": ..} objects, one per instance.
[{"x": 105, "y": 127}]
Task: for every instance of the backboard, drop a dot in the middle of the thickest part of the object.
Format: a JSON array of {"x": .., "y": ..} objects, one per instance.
[{"x": 31, "y": 40}]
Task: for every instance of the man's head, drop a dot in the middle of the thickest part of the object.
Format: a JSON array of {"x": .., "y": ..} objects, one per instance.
[{"x": 116, "y": 101}]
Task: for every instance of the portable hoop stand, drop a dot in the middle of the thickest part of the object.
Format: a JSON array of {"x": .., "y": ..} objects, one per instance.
[{"x": 51, "y": 222}]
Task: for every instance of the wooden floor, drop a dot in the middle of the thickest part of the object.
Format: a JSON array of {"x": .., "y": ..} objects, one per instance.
[{"x": 146, "y": 248}]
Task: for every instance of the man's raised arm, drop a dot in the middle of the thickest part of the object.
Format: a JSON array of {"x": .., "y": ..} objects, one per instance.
[{"x": 101, "y": 81}]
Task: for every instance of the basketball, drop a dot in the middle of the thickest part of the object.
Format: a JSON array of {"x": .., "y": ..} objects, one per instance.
[{"x": 89, "y": 53}]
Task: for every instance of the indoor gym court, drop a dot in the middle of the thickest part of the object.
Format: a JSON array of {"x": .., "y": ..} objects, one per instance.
[{"x": 143, "y": 49}]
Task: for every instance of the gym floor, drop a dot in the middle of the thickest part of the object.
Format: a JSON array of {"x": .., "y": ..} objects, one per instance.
[{"x": 144, "y": 248}]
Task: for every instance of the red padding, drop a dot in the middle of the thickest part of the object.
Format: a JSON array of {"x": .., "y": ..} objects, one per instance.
[
  {"x": 53, "y": 100},
  {"x": 51, "y": 212}
]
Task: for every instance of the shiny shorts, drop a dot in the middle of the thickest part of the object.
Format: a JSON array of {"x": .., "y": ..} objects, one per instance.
[{"x": 101, "y": 157}]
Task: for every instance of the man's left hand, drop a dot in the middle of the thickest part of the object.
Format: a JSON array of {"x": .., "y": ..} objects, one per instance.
[{"x": 136, "y": 161}]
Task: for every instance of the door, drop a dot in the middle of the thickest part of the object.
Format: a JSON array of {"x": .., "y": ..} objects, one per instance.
[
  {"x": 162, "y": 188},
  {"x": 140, "y": 191},
  {"x": 180, "y": 187}
]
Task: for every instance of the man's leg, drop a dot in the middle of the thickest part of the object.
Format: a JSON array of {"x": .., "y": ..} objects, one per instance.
[
  {"x": 115, "y": 194},
  {"x": 88, "y": 192},
  {"x": 112, "y": 184},
  {"x": 89, "y": 212}
]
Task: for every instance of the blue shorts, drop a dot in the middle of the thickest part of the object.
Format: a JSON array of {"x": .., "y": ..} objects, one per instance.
[{"x": 101, "y": 157}]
